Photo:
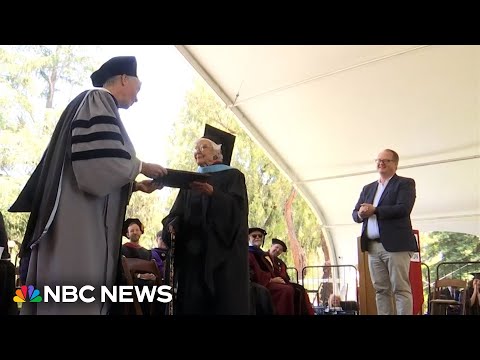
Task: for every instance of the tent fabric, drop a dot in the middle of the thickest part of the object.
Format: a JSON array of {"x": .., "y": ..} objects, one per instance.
[{"x": 349, "y": 102}]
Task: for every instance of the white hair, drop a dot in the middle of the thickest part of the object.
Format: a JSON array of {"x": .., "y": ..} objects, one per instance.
[{"x": 217, "y": 148}]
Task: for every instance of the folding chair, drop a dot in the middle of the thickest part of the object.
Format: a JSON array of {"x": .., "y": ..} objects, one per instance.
[
  {"x": 132, "y": 267},
  {"x": 440, "y": 304}
]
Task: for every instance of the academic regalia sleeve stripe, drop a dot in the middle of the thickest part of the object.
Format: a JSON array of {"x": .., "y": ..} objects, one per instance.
[
  {"x": 100, "y": 153},
  {"x": 101, "y": 135},
  {"x": 102, "y": 119}
]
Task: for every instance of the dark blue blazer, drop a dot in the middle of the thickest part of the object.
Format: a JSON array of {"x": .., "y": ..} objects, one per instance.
[{"x": 393, "y": 214}]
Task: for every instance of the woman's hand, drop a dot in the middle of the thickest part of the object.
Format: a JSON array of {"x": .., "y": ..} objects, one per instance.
[
  {"x": 202, "y": 187},
  {"x": 476, "y": 284}
]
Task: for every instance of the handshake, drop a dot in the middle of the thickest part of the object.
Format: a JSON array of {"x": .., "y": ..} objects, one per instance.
[{"x": 153, "y": 171}]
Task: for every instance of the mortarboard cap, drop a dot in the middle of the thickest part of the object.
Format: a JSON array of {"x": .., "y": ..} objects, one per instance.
[
  {"x": 476, "y": 275},
  {"x": 279, "y": 242},
  {"x": 130, "y": 221},
  {"x": 221, "y": 137},
  {"x": 252, "y": 229},
  {"x": 115, "y": 66}
]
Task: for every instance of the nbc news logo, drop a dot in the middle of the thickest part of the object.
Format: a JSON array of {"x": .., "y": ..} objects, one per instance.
[
  {"x": 21, "y": 294},
  {"x": 71, "y": 294}
]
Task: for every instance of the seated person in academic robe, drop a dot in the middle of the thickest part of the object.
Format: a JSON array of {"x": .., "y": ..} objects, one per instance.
[
  {"x": 262, "y": 272},
  {"x": 160, "y": 254},
  {"x": 133, "y": 230},
  {"x": 303, "y": 306},
  {"x": 472, "y": 302}
]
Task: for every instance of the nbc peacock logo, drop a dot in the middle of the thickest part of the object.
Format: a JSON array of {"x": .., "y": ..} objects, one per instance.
[{"x": 21, "y": 294}]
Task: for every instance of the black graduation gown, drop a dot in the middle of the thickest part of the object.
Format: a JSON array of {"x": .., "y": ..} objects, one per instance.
[
  {"x": 134, "y": 252},
  {"x": 261, "y": 300},
  {"x": 211, "y": 256},
  {"x": 3, "y": 239}
]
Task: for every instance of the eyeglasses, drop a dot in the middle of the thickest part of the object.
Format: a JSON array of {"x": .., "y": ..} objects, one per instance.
[
  {"x": 201, "y": 148},
  {"x": 256, "y": 235},
  {"x": 383, "y": 161}
]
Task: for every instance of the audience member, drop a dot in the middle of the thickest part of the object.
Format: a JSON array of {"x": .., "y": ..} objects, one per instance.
[
  {"x": 472, "y": 302},
  {"x": 334, "y": 304},
  {"x": 133, "y": 230},
  {"x": 262, "y": 272},
  {"x": 303, "y": 306}
]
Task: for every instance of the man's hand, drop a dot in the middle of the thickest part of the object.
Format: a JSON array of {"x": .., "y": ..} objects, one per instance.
[
  {"x": 147, "y": 186},
  {"x": 153, "y": 171},
  {"x": 366, "y": 210}
]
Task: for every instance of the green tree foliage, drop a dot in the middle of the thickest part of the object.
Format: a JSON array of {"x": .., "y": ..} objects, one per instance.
[
  {"x": 309, "y": 231},
  {"x": 441, "y": 246},
  {"x": 27, "y": 74},
  {"x": 15, "y": 223},
  {"x": 57, "y": 66},
  {"x": 30, "y": 73},
  {"x": 267, "y": 188}
]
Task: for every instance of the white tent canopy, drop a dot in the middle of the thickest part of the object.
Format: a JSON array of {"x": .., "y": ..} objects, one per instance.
[{"x": 322, "y": 113}]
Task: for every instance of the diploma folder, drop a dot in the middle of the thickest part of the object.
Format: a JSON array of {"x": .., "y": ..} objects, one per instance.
[{"x": 181, "y": 178}]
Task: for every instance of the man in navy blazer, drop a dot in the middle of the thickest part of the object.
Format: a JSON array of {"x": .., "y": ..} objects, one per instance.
[{"x": 384, "y": 209}]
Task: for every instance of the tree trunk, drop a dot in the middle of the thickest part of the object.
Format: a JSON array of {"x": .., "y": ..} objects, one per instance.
[
  {"x": 297, "y": 251},
  {"x": 269, "y": 220},
  {"x": 323, "y": 244},
  {"x": 51, "y": 89}
]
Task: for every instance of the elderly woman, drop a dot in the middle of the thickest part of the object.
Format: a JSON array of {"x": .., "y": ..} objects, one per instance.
[
  {"x": 334, "y": 303},
  {"x": 210, "y": 223}
]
